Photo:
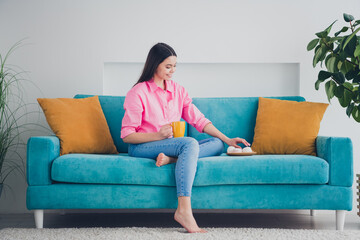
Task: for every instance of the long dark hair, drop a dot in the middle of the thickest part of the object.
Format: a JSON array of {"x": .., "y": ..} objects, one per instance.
[{"x": 157, "y": 54}]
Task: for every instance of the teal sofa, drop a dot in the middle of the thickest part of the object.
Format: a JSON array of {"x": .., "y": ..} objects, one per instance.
[{"x": 100, "y": 181}]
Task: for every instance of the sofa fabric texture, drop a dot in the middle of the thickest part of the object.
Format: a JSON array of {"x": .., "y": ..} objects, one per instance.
[
  {"x": 109, "y": 196},
  {"x": 123, "y": 169}
]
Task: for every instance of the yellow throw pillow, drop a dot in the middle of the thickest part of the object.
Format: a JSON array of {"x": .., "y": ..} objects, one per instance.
[
  {"x": 287, "y": 127},
  {"x": 80, "y": 125}
]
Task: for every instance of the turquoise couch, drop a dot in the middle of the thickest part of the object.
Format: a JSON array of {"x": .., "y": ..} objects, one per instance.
[{"x": 99, "y": 181}]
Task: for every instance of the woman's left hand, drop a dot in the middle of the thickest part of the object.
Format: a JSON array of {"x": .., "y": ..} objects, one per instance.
[{"x": 234, "y": 142}]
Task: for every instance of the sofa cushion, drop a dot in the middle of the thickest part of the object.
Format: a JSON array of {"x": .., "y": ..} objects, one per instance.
[
  {"x": 287, "y": 127},
  {"x": 233, "y": 116},
  {"x": 80, "y": 125},
  {"x": 113, "y": 109},
  {"x": 220, "y": 170}
]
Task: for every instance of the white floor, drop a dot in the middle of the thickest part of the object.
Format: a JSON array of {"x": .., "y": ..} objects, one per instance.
[{"x": 242, "y": 219}]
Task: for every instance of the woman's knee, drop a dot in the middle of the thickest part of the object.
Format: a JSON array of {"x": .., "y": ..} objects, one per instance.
[
  {"x": 218, "y": 142},
  {"x": 189, "y": 142},
  {"x": 219, "y": 145}
]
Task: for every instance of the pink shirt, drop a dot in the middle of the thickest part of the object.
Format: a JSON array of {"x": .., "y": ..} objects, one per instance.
[{"x": 148, "y": 107}]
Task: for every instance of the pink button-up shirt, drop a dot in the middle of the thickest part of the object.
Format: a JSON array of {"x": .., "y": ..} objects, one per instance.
[{"x": 148, "y": 107}]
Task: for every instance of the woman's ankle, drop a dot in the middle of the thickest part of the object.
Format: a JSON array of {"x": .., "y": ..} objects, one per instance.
[
  {"x": 184, "y": 205},
  {"x": 184, "y": 212}
]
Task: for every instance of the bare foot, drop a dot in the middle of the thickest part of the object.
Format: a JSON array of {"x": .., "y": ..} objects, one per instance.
[
  {"x": 162, "y": 160},
  {"x": 187, "y": 220}
]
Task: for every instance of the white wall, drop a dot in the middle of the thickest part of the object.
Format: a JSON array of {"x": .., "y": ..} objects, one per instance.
[
  {"x": 214, "y": 79},
  {"x": 69, "y": 42}
]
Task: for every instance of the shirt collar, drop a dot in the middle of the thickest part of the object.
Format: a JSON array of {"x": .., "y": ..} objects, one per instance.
[{"x": 154, "y": 87}]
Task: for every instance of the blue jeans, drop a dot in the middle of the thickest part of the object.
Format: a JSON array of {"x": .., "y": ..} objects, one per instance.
[{"x": 187, "y": 150}]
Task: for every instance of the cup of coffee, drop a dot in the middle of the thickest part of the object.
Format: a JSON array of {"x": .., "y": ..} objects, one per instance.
[{"x": 178, "y": 128}]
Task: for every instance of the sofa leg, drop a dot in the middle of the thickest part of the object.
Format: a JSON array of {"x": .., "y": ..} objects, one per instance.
[
  {"x": 340, "y": 219},
  {"x": 312, "y": 212},
  {"x": 39, "y": 218}
]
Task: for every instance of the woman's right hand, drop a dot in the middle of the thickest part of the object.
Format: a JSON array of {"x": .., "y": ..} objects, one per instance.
[{"x": 165, "y": 131}]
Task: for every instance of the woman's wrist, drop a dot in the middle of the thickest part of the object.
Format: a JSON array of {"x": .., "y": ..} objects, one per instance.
[
  {"x": 158, "y": 136},
  {"x": 226, "y": 140},
  {"x": 213, "y": 131}
]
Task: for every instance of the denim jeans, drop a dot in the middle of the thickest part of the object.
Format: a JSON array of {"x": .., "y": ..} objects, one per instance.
[{"x": 187, "y": 150}]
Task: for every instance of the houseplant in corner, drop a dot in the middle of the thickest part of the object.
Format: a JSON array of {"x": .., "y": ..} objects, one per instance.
[
  {"x": 340, "y": 55},
  {"x": 13, "y": 113}
]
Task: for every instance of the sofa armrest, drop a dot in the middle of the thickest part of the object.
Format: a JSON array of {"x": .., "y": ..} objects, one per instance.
[
  {"x": 41, "y": 151},
  {"x": 338, "y": 152}
]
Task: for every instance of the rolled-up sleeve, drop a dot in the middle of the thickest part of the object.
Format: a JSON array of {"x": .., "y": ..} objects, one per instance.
[
  {"x": 133, "y": 114},
  {"x": 192, "y": 114}
]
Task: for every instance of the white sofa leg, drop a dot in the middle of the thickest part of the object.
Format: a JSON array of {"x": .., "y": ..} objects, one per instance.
[
  {"x": 39, "y": 218},
  {"x": 340, "y": 219},
  {"x": 312, "y": 212}
]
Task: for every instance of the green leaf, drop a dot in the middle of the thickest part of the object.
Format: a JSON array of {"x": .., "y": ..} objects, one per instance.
[
  {"x": 339, "y": 65},
  {"x": 339, "y": 91},
  {"x": 348, "y": 17},
  {"x": 342, "y": 42},
  {"x": 330, "y": 88},
  {"x": 350, "y": 48},
  {"x": 356, "y": 79},
  {"x": 339, "y": 77},
  {"x": 356, "y": 113},
  {"x": 318, "y": 54},
  {"x": 348, "y": 85},
  {"x": 327, "y": 58},
  {"x": 323, "y": 75},
  {"x": 317, "y": 47},
  {"x": 344, "y": 29},
  {"x": 321, "y": 34},
  {"x": 315, "y": 51},
  {"x": 329, "y": 27},
  {"x": 331, "y": 64},
  {"x": 346, "y": 67},
  {"x": 346, "y": 99},
  {"x": 312, "y": 44},
  {"x": 357, "y": 22},
  {"x": 326, "y": 32},
  {"x": 349, "y": 109},
  {"x": 351, "y": 37},
  {"x": 356, "y": 94},
  {"x": 317, "y": 84},
  {"x": 351, "y": 74},
  {"x": 323, "y": 54},
  {"x": 357, "y": 51}
]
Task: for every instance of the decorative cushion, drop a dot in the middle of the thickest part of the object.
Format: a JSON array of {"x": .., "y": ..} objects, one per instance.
[
  {"x": 220, "y": 170},
  {"x": 80, "y": 125},
  {"x": 287, "y": 127}
]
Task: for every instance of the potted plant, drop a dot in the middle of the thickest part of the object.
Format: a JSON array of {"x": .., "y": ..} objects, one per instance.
[
  {"x": 13, "y": 113},
  {"x": 340, "y": 55}
]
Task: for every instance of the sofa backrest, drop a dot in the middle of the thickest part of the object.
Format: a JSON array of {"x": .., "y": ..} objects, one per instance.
[{"x": 234, "y": 116}]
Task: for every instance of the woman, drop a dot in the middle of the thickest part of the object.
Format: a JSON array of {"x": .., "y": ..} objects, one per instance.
[{"x": 150, "y": 106}]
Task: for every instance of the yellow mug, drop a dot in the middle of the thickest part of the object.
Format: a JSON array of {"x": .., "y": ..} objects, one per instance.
[{"x": 178, "y": 128}]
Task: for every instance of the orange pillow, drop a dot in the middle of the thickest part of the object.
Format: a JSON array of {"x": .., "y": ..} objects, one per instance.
[
  {"x": 287, "y": 127},
  {"x": 80, "y": 125}
]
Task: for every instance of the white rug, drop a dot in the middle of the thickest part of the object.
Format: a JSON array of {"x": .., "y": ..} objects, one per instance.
[{"x": 137, "y": 233}]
